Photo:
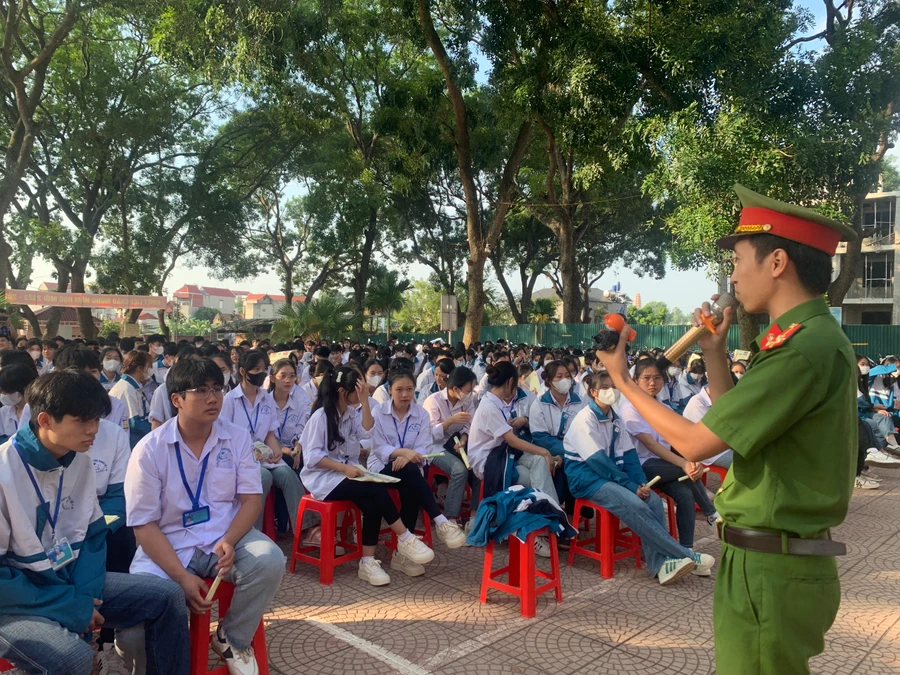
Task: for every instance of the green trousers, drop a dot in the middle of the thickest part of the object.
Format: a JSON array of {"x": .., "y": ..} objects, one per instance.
[{"x": 772, "y": 611}]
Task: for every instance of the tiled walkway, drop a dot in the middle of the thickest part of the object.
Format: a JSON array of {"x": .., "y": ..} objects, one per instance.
[{"x": 629, "y": 624}]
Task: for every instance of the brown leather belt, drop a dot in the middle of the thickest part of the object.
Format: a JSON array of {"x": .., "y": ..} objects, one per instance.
[{"x": 778, "y": 542}]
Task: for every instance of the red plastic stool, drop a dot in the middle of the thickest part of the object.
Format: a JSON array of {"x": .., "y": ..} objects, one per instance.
[
  {"x": 327, "y": 561},
  {"x": 670, "y": 512},
  {"x": 610, "y": 535},
  {"x": 201, "y": 636},
  {"x": 5, "y": 665},
  {"x": 391, "y": 542},
  {"x": 720, "y": 471},
  {"x": 466, "y": 509},
  {"x": 269, "y": 515},
  {"x": 522, "y": 572}
]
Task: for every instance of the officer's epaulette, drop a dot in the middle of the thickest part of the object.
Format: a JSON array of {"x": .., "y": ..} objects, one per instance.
[{"x": 776, "y": 337}]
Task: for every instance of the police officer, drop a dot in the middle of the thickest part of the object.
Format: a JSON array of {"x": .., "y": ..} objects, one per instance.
[{"x": 792, "y": 424}]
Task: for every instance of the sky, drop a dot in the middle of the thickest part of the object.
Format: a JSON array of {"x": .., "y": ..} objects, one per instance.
[{"x": 684, "y": 289}]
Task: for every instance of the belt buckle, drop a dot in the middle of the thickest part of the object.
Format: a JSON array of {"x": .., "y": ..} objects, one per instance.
[{"x": 720, "y": 528}]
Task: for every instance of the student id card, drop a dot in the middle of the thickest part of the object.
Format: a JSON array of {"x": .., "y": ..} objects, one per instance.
[
  {"x": 195, "y": 516},
  {"x": 60, "y": 554}
]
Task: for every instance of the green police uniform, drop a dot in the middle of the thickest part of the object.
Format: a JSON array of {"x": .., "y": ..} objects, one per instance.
[{"x": 791, "y": 422}]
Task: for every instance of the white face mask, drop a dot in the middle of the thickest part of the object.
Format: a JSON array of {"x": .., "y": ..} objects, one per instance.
[
  {"x": 35, "y": 355},
  {"x": 864, "y": 370},
  {"x": 563, "y": 386},
  {"x": 157, "y": 350},
  {"x": 318, "y": 379},
  {"x": 374, "y": 380},
  {"x": 608, "y": 396},
  {"x": 738, "y": 375},
  {"x": 465, "y": 397},
  {"x": 672, "y": 371},
  {"x": 112, "y": 365},
  {"x": 11, "y": 399}
]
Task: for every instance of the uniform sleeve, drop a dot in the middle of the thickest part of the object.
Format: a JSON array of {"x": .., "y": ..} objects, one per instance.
[
  {"x": 303, "y": 417},
  {"x": 494, "y": 424},
  {"x": 382, "y": 443},
  {"x": 433, "y": 408},
  {"x": 634, "y": 423},
  {"x": 249, "y": 480},
  {"x": 424, "y": 441},
  {"x": 113, "y": 500},
  {"x": 315, "y": 440},
  {"x": 227, "y": 413},
  {"x": 776, "y": 392},
  {"x": 143, "y": 487},
  {"x": 275, "y": 423},
  {"x": 160, "y": 406},
  {"x": 536, "y": 421}
]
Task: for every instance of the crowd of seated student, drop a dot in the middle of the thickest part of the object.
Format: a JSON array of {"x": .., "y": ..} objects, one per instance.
[{"x": 181, "y": 426}]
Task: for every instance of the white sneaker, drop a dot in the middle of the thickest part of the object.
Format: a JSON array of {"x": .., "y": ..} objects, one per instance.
[
  {"x": 864, "y": 483},
  {"x": 871, "y": 475},
  {"x": 131, "y": 647},
  {"x": 882, "y": 459},
  {"x": 542, "y": 547},
  {"x": 893, "y": 449},
  {"x": 370, "y": 570},
  {"x": 415, "y": 549},
  {"x": 441, "y": 495},
  {"x": 238, "y": 661},
  {"x": 712, "y": 519},
  {"x": 403, "y": 564},
  {"x": 451, "y": 534},
  {"x": 107, "y": 662},
  {"x": 468, "y": 527},
  {"x": 703, "y": 564},
  {"x": 673, "y": 569}
]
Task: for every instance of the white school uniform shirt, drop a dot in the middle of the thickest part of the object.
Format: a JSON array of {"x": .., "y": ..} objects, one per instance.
[
  {"x": 546, "y": 416},
  {"x": 489, "y": 425},
  {"x": 390, "y": 432},
  {"x": 482, "y": 387},
  {"x": 423, "y": 383},
  {"x": 19, "y": 507},
  {"x": 109, "y": 453},
  {"x": 311, "y": 389},
  {"x": 107, "y": 383},
  {"x": 687, "y": 389},
  {"x": 9, "y": 422},
  {"x": 635, "y": 424},
  {"x": 293, "y": 417},
  {"x": 439, "y": 409},
  {"x": 694, "y": 411},
  {"x": 155, "y": 493},
  {"x": 320, "y": 482},
  {"x": 258, "y": 418},
  {"x": 118, "y": 413},
  {"x": 303, "y": 375},
  {"x": 382, "y": 393},
  {"x": 161, "y": 405},
  {"x": 136, "y": 404}
]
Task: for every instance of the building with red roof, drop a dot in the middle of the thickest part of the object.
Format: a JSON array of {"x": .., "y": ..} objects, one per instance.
[{"x": 191, "y": 297}]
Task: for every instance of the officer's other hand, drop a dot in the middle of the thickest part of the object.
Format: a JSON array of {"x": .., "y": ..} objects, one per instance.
[{"x": 717, "y": 340}]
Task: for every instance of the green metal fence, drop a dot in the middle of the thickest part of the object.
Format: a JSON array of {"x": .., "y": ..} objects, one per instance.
[{"x": 871, "y": 341}]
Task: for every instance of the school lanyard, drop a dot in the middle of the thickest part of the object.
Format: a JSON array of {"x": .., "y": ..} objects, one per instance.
[
  {"x": 54, "y": 517},
  {"x": 195, "y": 499},
  {"x": 615, "y": 437},
  {"x": 255, "y": 421},
  {"x": 405, "y": 429},
  {"x": 281, "y": 428}
]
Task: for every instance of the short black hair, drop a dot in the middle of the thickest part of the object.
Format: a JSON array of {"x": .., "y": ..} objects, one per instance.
[
  {"x": 156, "y": 338},
  {"x": 813, "y": 266},
  {"x": 193, "y": 373},
  {"x": 170, "y": 349},
  {"x": 127, "y": 344},
  {"x": 186, "y": 351},
  {"x": 79, "y": 358},
  {"x": 12, "y": 356},
  {"x": 322, "y": 352},
  {"x": 68, "y": 392},
  {"x": 460, "y": 377},
  {"x": 16, "y": 378}
]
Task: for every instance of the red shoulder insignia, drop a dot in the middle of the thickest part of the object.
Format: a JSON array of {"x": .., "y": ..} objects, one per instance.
[{"x": 776, "y": 337}]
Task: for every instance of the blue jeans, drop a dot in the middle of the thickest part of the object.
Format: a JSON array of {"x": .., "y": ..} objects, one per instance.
[
  {"x": 35, "y": 644},
  {"x": 645, "y": 518},
  {"x": 684, "y": 494}
]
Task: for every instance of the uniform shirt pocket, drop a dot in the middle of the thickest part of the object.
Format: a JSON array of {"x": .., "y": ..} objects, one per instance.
[{"x": 222, "y": 484}]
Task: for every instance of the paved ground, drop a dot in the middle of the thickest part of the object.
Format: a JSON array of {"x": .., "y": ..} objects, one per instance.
[{"x": 629, "y": 624}]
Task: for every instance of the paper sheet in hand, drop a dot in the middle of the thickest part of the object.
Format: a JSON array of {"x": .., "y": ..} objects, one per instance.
[
  {"x": 432, "y": 455},
  {"x": 370, "y": 477},
  {"x": 263, "y": 452}
]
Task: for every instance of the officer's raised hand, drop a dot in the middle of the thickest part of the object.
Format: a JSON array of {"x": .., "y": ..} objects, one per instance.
[{"x": 718, "y": 340}]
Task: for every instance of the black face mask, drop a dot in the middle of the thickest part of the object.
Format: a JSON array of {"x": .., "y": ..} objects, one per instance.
[{"x": 256, "y": 379}]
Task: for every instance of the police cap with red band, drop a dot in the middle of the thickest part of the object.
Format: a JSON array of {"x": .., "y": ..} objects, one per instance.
[{"x": 763, "y": 215}]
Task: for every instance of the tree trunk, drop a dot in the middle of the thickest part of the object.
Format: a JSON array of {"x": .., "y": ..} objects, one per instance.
[
  {"x": 839, "y": 287},
  {"x": 585, "y": 303},
  {"x": 85, "y": 318},
  {"x": 32, "y": 319},
  {"x": 387, "y": 326},
  {"x": 62, "y": 285},
  {"x": 568, "y": 272},
  {"x": 133, "y": 315},
  {"x": 163, "y": 326},
  {"x": 288, "y": 287},
  {"x": 518, "y": 316},
  {"x": 477, "y": 298},
  {"x": 748, "y": 325},
  {"x": 361, "y": 279}
]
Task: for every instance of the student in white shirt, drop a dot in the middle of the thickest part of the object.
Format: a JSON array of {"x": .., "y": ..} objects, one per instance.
[
  {"x": 690, "y": 382},
  {"x": 696, "y": 408},
  {"x": 658, "y": 459},
  {"x": 14, "y": 379},
  {"x": 330, "y": 444},
  {"x": 111, "y": 360},
  {"x": 498, "y": 456},
  {"x": 80, "y": 358},
  {"x": 401, "y": 437},
  {"x": 382, "y": 394},
  {"x": 251, "y": 407},
  {"x": 53, "y": 541},
  {"x": 35, "y": 347},
  {"x": 137, "y": 370},
  {"x": 193, "y": 493},
  {"x": 292, "y": 408},
  {"x": 602, "y": 466},
  {"x": 320, "y": 369},
  {"x": 161, "y": 406},
  {"x": 374, "y": 371},
  {"x": 450, "y": 411}
]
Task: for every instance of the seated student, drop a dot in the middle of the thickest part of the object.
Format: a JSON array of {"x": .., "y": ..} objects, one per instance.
[
  {"x": 877, "y": 417},
  {"x": 252, "y": 407},
  {"x": 690, "y": 382},
  {"x": 319, "y": 371},
  {"x": 111, "y": 360},
  {"x": 658, "y": 459},
  {"x": 330, "y": 444},
  {"x": 292, "y": 408},
  {"x": 222, "y": 361},
  {"x": 14, "y": 380},
  {"x": 48, "y": 351},
  {"x": 552, "y": 414},
  {"x": 54, "y": 586},
  {"x": 374, "y": 372},
  {"x": 696, "y": 408},
  {"x": 401, "y": 437},
  {"x": 79, "y": 358},
  {"x": 382, "y": 393},
  {"x": 193, "y": 493},
  {"x": 450, "y": 411},
  {"x": 136, "y": 371},
  {"x": 498, "y": 456},
  {"x": 425, "y": 378},
  {"x": 161, "y": 405},
  {"x": 12, "y": 356},
  {"x": 34, "y": 348},
  {"x": 528, "y": 381},
  {"x": 602, "y": 465}
]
